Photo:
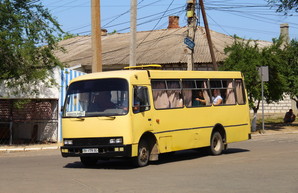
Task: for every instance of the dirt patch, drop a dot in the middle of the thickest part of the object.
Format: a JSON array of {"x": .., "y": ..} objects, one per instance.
[{"x": 273, "y": 127}]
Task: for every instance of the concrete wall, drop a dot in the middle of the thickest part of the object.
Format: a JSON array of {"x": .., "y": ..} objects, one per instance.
[{"x": 278, "y": 109}]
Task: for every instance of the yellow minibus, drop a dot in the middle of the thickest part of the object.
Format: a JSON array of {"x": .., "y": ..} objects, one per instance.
[{"x": 140, "y": 114}]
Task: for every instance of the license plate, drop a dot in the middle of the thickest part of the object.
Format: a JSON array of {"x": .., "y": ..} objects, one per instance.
[{"x": 90, "y": 150}]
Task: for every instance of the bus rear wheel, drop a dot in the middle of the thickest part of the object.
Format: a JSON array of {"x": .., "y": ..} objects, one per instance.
[
  {"x": 216, "y": 143},
  {"x": 143, "y": 154},
  {"x": 89, "y": 161}
]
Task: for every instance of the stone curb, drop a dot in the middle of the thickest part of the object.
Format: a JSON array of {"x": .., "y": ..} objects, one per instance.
[
  {"x": 273, "y": 133},
  {"x": 7, "y": 150}
]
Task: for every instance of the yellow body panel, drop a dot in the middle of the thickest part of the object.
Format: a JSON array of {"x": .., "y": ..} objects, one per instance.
[{"x": 97, "y": 127}]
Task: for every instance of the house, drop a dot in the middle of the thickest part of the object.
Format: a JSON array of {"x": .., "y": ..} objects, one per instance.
[
  {"x": 37, "y": 118},
  {"x": 165, "y": 47}
]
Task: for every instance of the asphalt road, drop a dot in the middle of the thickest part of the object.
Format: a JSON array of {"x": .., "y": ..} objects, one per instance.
[{"x": 264, "y": 164}]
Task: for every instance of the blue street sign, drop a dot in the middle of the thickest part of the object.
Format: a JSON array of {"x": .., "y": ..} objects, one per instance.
[{"x": 190, "y": 44}]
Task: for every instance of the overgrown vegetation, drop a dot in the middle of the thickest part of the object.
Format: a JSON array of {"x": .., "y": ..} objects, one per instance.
[{"x": 27, "y": 45}]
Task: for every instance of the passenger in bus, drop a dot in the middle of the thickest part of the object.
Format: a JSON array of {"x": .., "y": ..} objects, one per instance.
[
  {"x": 101, "y": 101},
  {"x": 216, "y": 98},
  {"x": 199, "y": 100}
]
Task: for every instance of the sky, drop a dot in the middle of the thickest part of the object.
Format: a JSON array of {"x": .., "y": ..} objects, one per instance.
[{"x": 250, "y": 19}]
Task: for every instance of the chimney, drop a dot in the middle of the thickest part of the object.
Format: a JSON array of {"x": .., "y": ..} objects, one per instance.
[
  {"x": 104, "y": 32},
  {"x": 284, "y": 32},
  {"x": 173, "y": 22}
]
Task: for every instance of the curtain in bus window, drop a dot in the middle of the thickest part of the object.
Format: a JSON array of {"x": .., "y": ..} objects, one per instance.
[
  {"x": 174, "y": 94},
  {"x": 187, "y": 95},
  {"x": 160, "y": 97},
  {"x": 205, "y": 94},
  {"x": 187, "y": 92},
  {"x": 239, "y": 92},
  {"x": 230, "y": 95},
  {"x": 174, "y": 99}
]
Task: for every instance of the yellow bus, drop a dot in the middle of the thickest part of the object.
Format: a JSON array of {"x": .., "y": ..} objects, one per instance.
[{"x": 140, "y": 114}]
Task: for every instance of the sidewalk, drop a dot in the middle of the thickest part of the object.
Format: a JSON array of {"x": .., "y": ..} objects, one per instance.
[{"x": 33, "y": 147}]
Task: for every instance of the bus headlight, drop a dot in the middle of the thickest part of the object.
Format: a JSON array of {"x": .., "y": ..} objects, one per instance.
[
  {"x": 116, "y": 140},
  {"x": 68, "y": 142}
]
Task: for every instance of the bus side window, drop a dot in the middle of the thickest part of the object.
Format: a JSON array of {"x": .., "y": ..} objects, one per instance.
[
  {"x": 230, "y": 94},
  {"x": 223, "y": 91},
  {"x": 140, "y": 101},
  {"x": 240, "y": 94},
  {"x": 167, "y": 94}
]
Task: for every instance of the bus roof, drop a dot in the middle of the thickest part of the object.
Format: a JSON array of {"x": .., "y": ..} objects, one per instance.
[{"x": 146, "y": 75}]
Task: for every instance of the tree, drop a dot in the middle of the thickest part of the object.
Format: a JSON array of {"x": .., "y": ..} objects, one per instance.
[
  {"x": 285, "y": 5},
  {"x": 27, "y": 44},
  {"x": 247, "y": 56},
  {"x": 291, "y": 56},
  {"x": 66, "y": 36}
]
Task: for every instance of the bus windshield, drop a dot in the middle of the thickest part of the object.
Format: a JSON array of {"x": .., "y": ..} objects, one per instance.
[{"x": 101, "y": 97}]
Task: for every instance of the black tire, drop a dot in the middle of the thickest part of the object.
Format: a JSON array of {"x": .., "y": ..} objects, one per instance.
[
  {"x": 143, "y": 154},
  {"x": 89, "y": 161},
  {"x": 216, "y": 144}
]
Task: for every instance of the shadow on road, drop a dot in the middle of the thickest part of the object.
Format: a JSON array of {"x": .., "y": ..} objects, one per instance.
[{"x": 125, "y": 164}]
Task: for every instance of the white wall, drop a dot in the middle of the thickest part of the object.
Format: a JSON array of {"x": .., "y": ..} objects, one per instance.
[
  {"x": 279, "y": 108},
  {"x": 45, "y": 92}
]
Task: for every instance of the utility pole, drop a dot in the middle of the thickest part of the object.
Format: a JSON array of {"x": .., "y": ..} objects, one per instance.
[
  {"x": 208, "y": 35},
  {"x": 133, "y": 32},
  {"x": 191, "y": 21},
  {"x": 96, "y": 36}
]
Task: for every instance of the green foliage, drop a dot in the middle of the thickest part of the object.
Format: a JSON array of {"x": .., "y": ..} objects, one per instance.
[
  {"x": 291, "y": 57},
  {"x": 285, "y": 6},
  {"x": 19, "y": 104},
  {"x": 247, "y": 57},
  {"x": 66, "y": 36},
  {"x": 27, "y": 44}
]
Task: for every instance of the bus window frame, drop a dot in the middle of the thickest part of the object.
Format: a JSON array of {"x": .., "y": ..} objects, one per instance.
[
  {"x": 167, "y": 89},
  {"x": 197, "y": 89},
  {"x": 138, "y": 108}
]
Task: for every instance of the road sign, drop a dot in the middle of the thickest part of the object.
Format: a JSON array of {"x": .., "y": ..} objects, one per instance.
[
  {"x": 264, "y": 73},
  {"x": 190, "y": 44}
]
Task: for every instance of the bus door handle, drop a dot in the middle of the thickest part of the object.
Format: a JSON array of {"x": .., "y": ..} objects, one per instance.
[{"x": 149, "y": 119}]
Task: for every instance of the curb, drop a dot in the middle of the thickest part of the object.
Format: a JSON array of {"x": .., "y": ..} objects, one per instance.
[
  {"x": 22, "y": 149},
  {"x": 273, "y": 133}
]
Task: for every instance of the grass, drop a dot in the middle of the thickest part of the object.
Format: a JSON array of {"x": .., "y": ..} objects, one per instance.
[{"x": 276, "y": 124}]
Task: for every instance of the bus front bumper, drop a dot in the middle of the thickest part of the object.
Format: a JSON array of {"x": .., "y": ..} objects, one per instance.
[{"x": 97, "y": 151}]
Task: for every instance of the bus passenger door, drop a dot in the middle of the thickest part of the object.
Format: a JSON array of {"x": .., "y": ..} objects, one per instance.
[{"x": 141, "y": 114}]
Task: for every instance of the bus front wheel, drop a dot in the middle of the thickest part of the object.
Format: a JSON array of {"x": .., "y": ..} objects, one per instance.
[
  {"x": 216, "y": 145},
  {"x": 143, "y": 154}
]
